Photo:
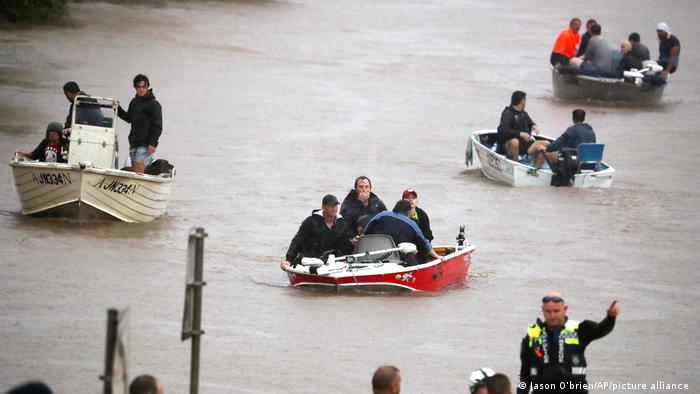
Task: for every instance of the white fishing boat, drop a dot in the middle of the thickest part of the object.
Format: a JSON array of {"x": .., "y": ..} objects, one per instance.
[
  {"x": 591, "y": 171},
  {"x": 90, "y": 185}
]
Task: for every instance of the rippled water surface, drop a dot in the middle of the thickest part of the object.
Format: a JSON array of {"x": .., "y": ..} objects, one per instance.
[{"x": 270, "y": 105}]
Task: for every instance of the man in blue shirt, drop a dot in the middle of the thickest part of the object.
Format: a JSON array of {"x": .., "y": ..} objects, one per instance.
[
  {"x": 576, "y": 134},
  {"x": 401, "y": 228}
]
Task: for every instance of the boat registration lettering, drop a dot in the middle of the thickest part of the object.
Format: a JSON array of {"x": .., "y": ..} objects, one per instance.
[
  {"x": 47, "y": 178},
  {"x": 116, "y": 187},
  {"x": 500, "y": 165}
]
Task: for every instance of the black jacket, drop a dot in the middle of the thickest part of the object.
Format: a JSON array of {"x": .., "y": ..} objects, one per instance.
[
  {"x": 577, "y": 134},
  {"x": 424, "y": 224},
  {"x": 511, "y": 125},
  {"x": 39, "y": 153},
  {"x": 145, "y": 116},
  {"x": 629, "y": 61},
  {"x": 584, "y": 44},
  {"x": 314, "y": 237},
  {"x": 352, "y": 209},
  {"x": 588, "y": 331}
]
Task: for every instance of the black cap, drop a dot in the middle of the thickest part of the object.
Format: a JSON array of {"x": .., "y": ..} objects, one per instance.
[
  {"x": 329, "y": 199},
  {"x": 54, "y": 126}
]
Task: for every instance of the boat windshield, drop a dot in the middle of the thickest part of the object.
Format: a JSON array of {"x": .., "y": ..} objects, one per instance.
[{"x": 93, "y": 112}]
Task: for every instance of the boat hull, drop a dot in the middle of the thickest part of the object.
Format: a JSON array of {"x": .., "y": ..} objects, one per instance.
[
  {"x": 67, "y": 190},
  {"x": 500, "y": 169},
  {"x": 569, "y": 87},
  {"x": 451, "y": 272}
]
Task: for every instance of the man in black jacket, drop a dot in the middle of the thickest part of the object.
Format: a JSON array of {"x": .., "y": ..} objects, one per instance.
[
  {"x": 145, "y": 116},
  {"x": 324, "y": 230},
  {"x": 51, "y": 148},
  {"x": 418, "y": 215},
  {"x": 552, "y": 353},
  {"x": 360, "y": 201},
  {"x": 515, "y": 130},
  {"x": 71, "y": 90}
]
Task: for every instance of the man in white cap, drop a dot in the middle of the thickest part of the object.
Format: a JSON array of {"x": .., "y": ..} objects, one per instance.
[{"x": 669, "y": 49}]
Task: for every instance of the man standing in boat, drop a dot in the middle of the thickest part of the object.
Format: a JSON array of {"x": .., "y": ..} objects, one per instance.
[
  {"x": 552, "y": 352},
  {"x": 71, "y": 90},
  {"x": 401, "y": 228},
  {"x": 52, "y": 148},
  {"x": 515, "y": 131},
  {"x": 145, "y": 116},
  {"x": 324, "y": 230},
  {"x": 669, "y": 49},
  {"x": 360, "y": 201}
]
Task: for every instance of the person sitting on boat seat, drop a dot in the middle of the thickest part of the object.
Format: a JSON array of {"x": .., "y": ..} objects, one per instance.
[
  {"x": 514, "y": 137},
  {"x": 52, "y": 149},
  {"x": 361, "y": 201},
  {"x": 324, "y": 230},
  {"x": 401, "y": 228},
  {"x": 629, "y": 59},
  {"x": 418, "y": 215},
  {"x": 565, "y": 44},
  {"x": 576, "y": 134},
  {"x": 640, "y": 50},
  {"x": 597, "y": 56}
]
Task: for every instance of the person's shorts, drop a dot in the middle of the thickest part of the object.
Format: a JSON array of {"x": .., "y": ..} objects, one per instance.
[{"x": 140, "y": 154}]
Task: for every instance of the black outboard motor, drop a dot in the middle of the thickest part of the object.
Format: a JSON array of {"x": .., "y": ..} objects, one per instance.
[
  {"x": 565, "y": 168},
  {"x": 460, "y": 237}
]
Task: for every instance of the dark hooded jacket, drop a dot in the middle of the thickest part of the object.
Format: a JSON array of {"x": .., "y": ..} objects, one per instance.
[
  {"x": 314, "y": 238},
  {"x": 145, "y": 116},
  {"x": 352, "y": 208},
  {"x": 512, "y": 123},
  {"x": 39, "y": 153}
]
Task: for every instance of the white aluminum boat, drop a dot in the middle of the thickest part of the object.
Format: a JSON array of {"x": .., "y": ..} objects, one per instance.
[
  {"x": 90, "y": 185},
  {"x": 481, "y": 151}
]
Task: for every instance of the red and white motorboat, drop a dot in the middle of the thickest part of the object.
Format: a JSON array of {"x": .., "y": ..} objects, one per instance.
[{"x": 377, "y": 266}]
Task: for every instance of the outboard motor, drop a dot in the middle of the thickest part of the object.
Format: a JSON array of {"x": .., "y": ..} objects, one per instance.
[
  {"x": 565, "y": 168},
  {"x": 460, "y": 238}
]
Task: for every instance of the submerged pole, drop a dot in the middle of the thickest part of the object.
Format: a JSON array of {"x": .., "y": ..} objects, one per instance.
[{"x": 197, "y": 285}]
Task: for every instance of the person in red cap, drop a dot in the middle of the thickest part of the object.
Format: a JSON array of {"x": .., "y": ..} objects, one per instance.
[{"x": 418, "y": 215}]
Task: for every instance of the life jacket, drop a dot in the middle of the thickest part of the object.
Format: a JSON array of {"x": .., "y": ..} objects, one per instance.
[{"x": 568, "y": 365}]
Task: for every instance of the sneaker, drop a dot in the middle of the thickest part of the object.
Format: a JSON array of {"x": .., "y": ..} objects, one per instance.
[{"x": 533, "y": 172}]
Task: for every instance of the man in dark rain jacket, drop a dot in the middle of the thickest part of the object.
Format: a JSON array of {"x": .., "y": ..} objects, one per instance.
[
  {"x": 145, "y": 116},
  {"x": 324, "y": 230},
  {"x": 360, "y": 201}
]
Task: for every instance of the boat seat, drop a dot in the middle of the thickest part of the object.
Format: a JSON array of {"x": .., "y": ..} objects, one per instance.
[
  {"x": 590, "y": 157},
  {"x": 372, "y": 242}
]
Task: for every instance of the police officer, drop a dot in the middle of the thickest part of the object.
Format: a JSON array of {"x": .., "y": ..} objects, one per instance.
[{"x": 552, "y": 352}]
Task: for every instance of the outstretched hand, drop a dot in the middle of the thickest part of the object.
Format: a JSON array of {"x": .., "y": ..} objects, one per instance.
[{"x": 613, "y": 310}]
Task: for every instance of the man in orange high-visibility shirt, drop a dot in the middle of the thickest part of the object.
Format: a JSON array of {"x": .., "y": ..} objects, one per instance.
[{"x": 565, "y": 45}]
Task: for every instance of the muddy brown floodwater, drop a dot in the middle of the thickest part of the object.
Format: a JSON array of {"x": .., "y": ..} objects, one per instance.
[{"x": 270, "y": 105}]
